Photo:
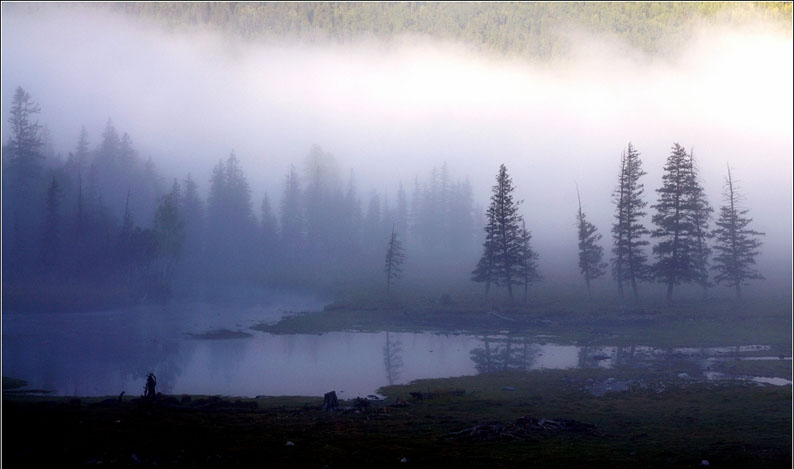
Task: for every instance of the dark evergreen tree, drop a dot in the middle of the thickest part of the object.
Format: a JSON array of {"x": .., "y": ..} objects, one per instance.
[
  {"x": 736, "y": 245},
  {"x": 192, "y": 210},
  {"x": 231, "y": 225},
  {"x": 169, "y": 230},
  {"x": 591, "y": 255},
  {"x": 23, "y": 151},
  {"x": 503, "y": 252},
  {"x": 394, "y": 260},
  {"x": 291, "y": 213},
  {"x": 77, "y": 162},
  {"x": 268, "y": 225},
  {"x": 699, "y": 214},
  {"x": 630, "y": 261},
  {"x": 527, "y": 266},
  {"x": 675, "y": 250},
  {"x": 22, "y": 188},
  {"x": 486, "y": 267}
]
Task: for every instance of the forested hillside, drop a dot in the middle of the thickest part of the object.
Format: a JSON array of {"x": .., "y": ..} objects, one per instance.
[{"x": 522, "y": 28}]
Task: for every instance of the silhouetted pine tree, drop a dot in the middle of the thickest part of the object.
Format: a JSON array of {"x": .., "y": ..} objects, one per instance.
[
  {"x": 630, "y": 261},
  {"x": 192, "y": 210},
  {"x": 503, "y": 251},
  {"x": 676, "y": 249},
  {"x": 699, "y": 214},
  {"x": 736, "y": 245},
  {"x": 169, "y": 229},
  {"x": 268, "y": 227},
  {"x": 77, "y": 162},
  {"x": 485, "y": 270},
  {"x": 394, "y": 260},
  {"x": 527, "y": 266},
  {"x": 23, "y": 151},
  {"x": 291, "y": 213},
  {"x": 21, "y": 188},
  {"x": 590, "y": 253}
]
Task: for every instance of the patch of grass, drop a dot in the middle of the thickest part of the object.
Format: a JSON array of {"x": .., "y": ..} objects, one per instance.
[
  {"x": 686, "y": 324},
  {"x": 659, "y": 422},
  {"x": 763, "y": 368}
]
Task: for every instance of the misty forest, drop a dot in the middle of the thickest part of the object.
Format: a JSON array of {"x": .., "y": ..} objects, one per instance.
[{"x": 547, "y": 233}]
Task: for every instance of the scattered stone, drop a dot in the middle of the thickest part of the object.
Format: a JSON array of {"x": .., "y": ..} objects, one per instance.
[
  {"x": 523, "y": 428},
  {"x": 508, "y": 388},
  {"x": 704, "y": 462},
  {"x": 404, "y": 460},
  {"x": 289, "y": 443}
]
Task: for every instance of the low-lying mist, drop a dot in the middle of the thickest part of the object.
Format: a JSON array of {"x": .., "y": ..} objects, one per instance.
[{"x": 391, "y": 111}]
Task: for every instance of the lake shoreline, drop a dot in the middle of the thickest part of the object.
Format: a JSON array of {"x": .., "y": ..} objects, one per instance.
[{"x": 700, "y": 323}]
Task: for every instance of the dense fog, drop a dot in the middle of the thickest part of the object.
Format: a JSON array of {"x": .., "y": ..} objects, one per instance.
[{"x": 358, "y": 121}]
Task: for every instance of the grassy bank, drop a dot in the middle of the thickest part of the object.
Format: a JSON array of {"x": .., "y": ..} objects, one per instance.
[
  {"x": 685, "y": 324},
  {"x": 492, "y": 420}
]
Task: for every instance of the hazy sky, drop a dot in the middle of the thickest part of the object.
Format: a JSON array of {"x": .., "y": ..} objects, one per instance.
[{"x": 391, "y": 111}]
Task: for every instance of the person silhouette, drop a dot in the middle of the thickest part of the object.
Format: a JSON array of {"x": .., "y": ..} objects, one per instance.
[{"x": 151, "y": 382}]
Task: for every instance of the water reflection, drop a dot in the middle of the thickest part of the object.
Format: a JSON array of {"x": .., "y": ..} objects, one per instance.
[
  {"x": 392, "y": 359},
  {"x": 508, "y": 352},
  {"x": 106, "y": 353}
]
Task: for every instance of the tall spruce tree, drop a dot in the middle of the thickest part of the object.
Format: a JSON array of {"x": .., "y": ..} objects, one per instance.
[
  {"x": 676, "y": 248},
  {"x": 699, "y": 214},
  {"x": 394, "y": 260},
  {"x": 501, "y": 259},
  {"x": 24, "y": 156},
  {"x": 169, "y": 230},
  {"x": 485, "y": 270},
  {"x": 630, "y": 261},
  {"x": 736, "y": 245},
  {"x": 527, "y": 265},
  {"x": 590, "y": 253},
  {"x": 292, "y": 221}
]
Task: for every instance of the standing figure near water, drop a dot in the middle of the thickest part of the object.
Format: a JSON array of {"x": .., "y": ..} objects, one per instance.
[{"x": 148, "y": 390}]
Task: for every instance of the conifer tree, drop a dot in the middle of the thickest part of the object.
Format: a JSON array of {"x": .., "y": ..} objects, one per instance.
[
  {"x": 630, "y": 261},
  {"x": 24, "y": 146},
  {"x": 485, "y": 270},
  {"x": 590, "y": 253},
  {"x": 527, "y": 266},
  {"x": 700, "y": 214},
  {"x": 736, "y": 245},
  {"x": 501, "y": 259},
  {"x": 291, "y": 212},
  {"x": 169, "y": 229},
  {"x": 394, "y": 260},
  {"x": 676, "y": 249}
]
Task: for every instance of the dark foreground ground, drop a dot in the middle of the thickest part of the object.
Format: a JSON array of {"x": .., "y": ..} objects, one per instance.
[{"x": 584, "y": 418}]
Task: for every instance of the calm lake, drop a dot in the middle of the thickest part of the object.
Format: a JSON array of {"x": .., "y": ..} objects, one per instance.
[{"x": 104, "y": 353}]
